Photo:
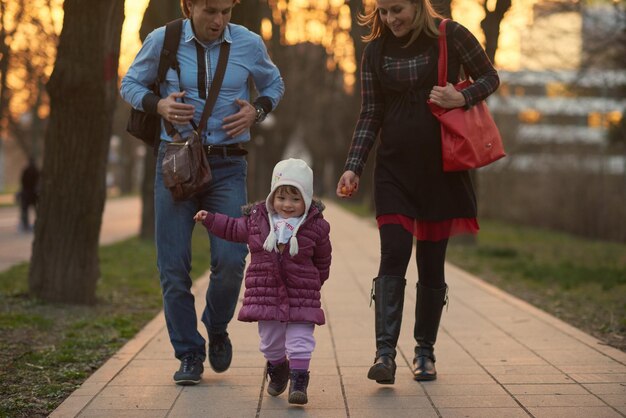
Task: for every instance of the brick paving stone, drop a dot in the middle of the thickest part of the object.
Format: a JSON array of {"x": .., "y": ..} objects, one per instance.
[
  {"x": 607, "y": 388},
  {"x": 574, "y": 412},
  {"x": 108, "y": 413},
  {"x": 482, "y": 413},
  {"x": 546, "y": 389}
]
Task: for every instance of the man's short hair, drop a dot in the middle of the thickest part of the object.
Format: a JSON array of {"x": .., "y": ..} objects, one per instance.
[{"x": 185, "y": 8}]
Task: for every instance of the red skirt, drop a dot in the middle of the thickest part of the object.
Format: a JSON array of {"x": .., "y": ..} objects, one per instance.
[{"x": 431, "y": 230}]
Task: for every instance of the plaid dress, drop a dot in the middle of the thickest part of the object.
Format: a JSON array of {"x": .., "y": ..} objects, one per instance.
[{"x": 409, "y": 181}]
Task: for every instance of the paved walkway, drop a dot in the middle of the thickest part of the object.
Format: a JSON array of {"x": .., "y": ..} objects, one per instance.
[
  {"x": 16, "y": 246},
  {"x": 497, "y": 357}
]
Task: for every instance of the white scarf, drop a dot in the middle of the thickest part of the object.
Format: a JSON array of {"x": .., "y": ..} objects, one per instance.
[{"x": 284, "y": 227}]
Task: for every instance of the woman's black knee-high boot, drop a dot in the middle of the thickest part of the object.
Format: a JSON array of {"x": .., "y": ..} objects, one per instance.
[
  {"x": 388, "y": 296},
  {"x": 430, "y": 303}
]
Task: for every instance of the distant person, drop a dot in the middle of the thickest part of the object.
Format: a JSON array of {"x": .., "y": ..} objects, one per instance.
[
  {"x": 290, "y": 252},
  {"x": 28, "y": 194},
  {"x": 413, "y": 196},
  {"x": 183, "y": 96}
]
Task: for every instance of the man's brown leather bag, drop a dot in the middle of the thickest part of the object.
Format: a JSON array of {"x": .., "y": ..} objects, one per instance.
[{"x": 186, "y": 170}]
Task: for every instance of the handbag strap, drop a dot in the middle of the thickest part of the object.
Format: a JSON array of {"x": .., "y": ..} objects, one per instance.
[
  {"x": 442, "y": 71},
  {"x": 213, "y": 93}
]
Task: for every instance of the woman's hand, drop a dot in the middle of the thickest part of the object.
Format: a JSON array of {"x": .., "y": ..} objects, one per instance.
[
  {"x": 348, "y": 184},
  {"x": 447, "y": 97},
  {"x": 200, "y": 216}
]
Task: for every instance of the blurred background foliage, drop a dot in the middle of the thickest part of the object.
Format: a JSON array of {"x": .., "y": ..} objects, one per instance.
[{"x": 560, "y": 106}]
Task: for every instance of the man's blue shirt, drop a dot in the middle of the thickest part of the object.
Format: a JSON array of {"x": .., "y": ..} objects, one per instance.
[{"x": 248, "y": 57}]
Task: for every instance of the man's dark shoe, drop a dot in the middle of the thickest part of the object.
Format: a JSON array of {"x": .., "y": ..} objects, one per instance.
[
  {"x": 279, "y": 377},
  {"x": 191, "y": 369},
  {"x": 299, "y": 381},
  {"x": 220, "y": 352}
]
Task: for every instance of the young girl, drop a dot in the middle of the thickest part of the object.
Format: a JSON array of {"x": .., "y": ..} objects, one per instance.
[{"x": 290, "y": 255}]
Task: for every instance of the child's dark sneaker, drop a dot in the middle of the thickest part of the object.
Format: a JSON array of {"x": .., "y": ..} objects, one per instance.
[
  {"x": 191, "y": 369},
  {"x": 279, "y": 377},
  {"x": 299, "y": 381}
]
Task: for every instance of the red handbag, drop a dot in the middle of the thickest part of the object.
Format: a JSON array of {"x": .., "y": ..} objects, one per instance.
[{"x": 469, "y": 137}]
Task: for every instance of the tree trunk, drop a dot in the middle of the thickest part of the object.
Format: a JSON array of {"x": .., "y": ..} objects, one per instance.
[
  {"x": 83, "y": 90},
  {"x": 146, "y": 232},
  {"x": 443, "y": 7},
  {"x": 126, "y": 162},
  {"x": 157, "y": 14},
  {"x": 491, "y": 26},
  {"x": 4, "y": 68},
  {"x": 6, "y": 53},
  {"x": 248, "y": 15},
  {"x": 356, "y": 33}
]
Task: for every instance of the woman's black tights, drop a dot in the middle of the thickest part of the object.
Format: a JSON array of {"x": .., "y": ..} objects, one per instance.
[{"x": 396, "y": 245}]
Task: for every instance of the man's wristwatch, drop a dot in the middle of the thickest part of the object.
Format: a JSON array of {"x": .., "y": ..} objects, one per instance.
[{"x": 260, "y": 114}]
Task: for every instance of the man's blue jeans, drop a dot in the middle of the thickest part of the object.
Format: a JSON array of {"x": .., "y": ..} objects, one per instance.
[{"x": 174, "y": 225}]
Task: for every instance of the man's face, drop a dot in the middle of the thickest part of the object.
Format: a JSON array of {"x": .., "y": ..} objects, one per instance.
[{"x": 210, "y": 17}]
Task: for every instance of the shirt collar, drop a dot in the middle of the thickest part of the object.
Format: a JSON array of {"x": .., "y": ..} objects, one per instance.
[{"x": 190, "y": 36}]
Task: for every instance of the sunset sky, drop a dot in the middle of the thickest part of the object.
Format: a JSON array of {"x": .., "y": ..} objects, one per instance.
[
  {"x": 327, "y": 22},
  {"x": 133, "y": 11},
  {"x": 305, "y": 26}
]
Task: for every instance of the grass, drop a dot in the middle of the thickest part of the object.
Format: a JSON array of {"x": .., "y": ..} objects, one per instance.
[
  {"x": 48, "y": 350},
  {"x": 578, "y": 280}
]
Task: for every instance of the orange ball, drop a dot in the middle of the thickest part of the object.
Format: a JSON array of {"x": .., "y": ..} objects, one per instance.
[{"x": 347, "y": 190}]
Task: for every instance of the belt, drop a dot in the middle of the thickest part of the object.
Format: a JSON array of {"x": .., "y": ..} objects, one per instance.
[{"x": 224, "y": 150}]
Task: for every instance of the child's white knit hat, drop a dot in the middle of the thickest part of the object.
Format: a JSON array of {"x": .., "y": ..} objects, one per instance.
[{"x": 291, "y": 172}]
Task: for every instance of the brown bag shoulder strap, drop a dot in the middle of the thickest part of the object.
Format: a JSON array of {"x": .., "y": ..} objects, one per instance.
[
  {"x": 213, "y": 93},
  {"x": 215, "y": 86}
]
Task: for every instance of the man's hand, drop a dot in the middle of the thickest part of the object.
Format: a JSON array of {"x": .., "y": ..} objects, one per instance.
[
  {"x": 241, "y": 121},
  {"x": 175, "y": 112},
  {"x": 447, "y": 97}
]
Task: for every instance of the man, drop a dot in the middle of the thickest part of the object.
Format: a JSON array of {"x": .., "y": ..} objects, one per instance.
[{"x": 206, "y": 27}]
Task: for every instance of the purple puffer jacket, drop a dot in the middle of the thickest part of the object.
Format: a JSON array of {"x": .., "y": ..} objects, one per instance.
[{"x": 280, "y": 287}]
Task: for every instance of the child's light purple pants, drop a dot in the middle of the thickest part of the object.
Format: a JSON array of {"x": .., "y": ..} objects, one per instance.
[{"x": 292, "y": 340}]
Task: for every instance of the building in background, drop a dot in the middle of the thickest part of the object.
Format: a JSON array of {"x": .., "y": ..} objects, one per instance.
[
  {"x": 561, "y": 117},
  {"x": 570, "y": 91}
]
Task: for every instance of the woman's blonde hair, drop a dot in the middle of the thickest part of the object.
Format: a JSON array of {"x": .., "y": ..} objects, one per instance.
[
  {"x": 425, "y": 16},
  {"x": 185, "y": 8}
]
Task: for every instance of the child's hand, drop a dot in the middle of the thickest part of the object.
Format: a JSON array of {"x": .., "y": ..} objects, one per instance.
[{"x": 200, "y": 216}]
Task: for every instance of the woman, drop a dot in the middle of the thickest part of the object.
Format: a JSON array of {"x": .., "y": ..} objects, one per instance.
[{"x": 413, "y": 196}]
